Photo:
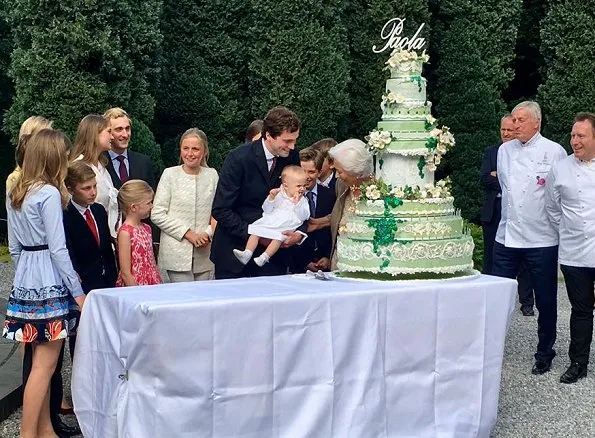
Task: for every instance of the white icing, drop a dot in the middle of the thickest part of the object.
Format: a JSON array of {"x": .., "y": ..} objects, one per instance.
[
  {"x": 406, "y": 252},
  {"x": 401, "y": 171},
  {"x": 397, "y": 271}
]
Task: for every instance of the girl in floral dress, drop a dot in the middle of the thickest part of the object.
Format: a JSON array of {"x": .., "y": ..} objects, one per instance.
[
  {"x": 135, "y": 247},
  {"x": 46, "y": 290}
]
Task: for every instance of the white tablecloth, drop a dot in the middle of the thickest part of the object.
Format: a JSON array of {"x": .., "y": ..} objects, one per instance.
[{"x": 293, "y": 357}]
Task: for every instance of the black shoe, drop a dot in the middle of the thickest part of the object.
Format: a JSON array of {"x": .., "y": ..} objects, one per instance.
[
  {"x": 541, "y": 367},
  {"x": 63, "y": 429},
  {"x": 527, "y": 311},
  {"x": 574, "y": 372}
]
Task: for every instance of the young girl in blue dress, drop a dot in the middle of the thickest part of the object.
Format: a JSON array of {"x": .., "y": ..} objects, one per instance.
[{"x": 46, "y": 289}]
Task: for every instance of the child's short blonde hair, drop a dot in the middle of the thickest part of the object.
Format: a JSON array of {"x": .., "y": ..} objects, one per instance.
[
  {"x": 133, "y": 191},
  {"x": 292, "y": 170}
]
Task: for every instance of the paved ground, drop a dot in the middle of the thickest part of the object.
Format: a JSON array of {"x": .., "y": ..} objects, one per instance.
[{"x": 530, "y": 406}]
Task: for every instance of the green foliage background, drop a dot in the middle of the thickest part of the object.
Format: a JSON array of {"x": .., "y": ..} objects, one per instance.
[{"x": 174, "y": 65}]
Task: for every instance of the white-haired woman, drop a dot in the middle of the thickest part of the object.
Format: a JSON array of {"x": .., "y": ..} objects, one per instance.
[{"x": 353, "y": 166}]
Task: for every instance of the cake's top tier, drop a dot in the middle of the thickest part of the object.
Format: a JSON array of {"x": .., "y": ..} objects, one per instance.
[{"x": 406, "y": 63}]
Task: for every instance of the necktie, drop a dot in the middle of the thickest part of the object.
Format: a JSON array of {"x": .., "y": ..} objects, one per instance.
[
  {"x": 91, "y": 224},
  {"x": 311, "y": 204},
  {"x": 122, "y": 171},
  {"x": 273, "y": 164}
]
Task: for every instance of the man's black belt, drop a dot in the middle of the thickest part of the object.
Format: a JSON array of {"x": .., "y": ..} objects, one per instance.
[{"x": 35, "y": 248}]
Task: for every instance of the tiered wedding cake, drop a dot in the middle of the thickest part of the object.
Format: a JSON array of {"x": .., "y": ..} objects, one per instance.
[{"x": 401, "y": 222}]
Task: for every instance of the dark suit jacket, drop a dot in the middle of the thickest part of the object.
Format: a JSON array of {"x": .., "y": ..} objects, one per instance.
[
  {"x": 490, "y": 184},
  {"x": 318, "y": 243},
  {"x": 95, "y": 264},
  {"x": 244, "y": 183},
  {"x": 141, "y": 167}
]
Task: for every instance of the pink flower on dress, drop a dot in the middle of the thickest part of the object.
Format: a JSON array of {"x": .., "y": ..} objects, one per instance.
[{"x": 540, "y": 181}]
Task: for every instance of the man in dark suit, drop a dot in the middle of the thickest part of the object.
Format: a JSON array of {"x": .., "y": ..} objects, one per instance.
[
  {"x": 124, "y": 164},
  {"x": 314, "y": 254},
  {"x": 248, "y": 174},
  {"x": 491, "y": 212}
]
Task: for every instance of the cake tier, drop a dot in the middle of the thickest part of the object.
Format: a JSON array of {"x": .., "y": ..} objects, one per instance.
[
  {"x": 411, "y": 88},
  {"x": 407, "y": 110},
  {"x": 431, "y": 228},
  {"x": 401, "y": 169},
  {"x": 409, "y": 68},
  {"x": 445, "y": 256},
  {"x": 411, "y": 125},
  {"x": 417, "y": 208}
]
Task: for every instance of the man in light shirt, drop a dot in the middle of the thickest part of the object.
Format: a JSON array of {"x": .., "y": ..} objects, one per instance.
[
  {"x": 525, "y": 235},
  {"x": 570, "y": 205}
]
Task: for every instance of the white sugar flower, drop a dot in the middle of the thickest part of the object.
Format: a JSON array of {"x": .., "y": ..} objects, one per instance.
[
  {"x": 436, "y": 132},
  {"x": 391, "y": 97},
  {"x": 423, "y": 194},
  {"x": 403, "y": 55},
  {"x": 431, "y": 120},
  {"x": 441, "y": 148},
  {"x": 436, "y": 192},
  {"x": 372, "y": 192},
  {"x": 437, "y": 159},
  {"x": 399, "y": 98},
  {"x": 428, "y": 187},
  {"x": 397, "y": 192},
  {"x": 447, "y": 138},
  {"x": 413, "y": 55},
  {"x": 431, "y": 166},
  {"x": 424, "y": 57},
  {"x": 385, "y": 137},
  {"x": 441, "y": 183}
]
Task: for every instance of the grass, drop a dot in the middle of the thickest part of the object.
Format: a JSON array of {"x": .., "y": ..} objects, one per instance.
[{"x": 4, "y": 255}]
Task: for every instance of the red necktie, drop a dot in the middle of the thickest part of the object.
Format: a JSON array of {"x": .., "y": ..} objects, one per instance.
[
  {"x": 122, "y": 171},
  {"x": 91, "y": 224}
]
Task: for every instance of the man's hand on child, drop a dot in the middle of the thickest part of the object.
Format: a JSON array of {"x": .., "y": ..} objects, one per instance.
[{"x": 293, "y": 237}]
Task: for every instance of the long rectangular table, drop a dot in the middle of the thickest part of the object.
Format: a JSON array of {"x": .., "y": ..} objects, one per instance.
[{"x": 293, "y": 357}]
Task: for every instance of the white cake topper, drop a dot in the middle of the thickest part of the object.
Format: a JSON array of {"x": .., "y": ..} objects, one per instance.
[{"x": 391, "y": 32}]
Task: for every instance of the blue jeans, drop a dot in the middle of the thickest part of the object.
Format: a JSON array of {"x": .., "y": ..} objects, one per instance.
[{"x": 542, "y": 264}]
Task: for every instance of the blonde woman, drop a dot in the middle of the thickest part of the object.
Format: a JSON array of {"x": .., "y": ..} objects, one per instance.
[
  {"x": 93, "y": 138},
  {"x": 182, "y": 210},
  {"x": 29, "y": 127},
  {"x": 46, "y": 289}
]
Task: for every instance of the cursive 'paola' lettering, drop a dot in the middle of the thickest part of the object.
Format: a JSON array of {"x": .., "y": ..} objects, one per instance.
[{"x": 391, "y": 33}]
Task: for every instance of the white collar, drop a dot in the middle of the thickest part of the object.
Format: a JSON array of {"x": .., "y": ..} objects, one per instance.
[
  {"x": 113, "y": 156},
  {"x": 80, "y": 208},
  {"x": 531, "y": 141},
  {"x": 267, "y": 153}
]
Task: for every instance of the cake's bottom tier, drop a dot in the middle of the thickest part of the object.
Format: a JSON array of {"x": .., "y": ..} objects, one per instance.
[{"x": 444, "y": 256}]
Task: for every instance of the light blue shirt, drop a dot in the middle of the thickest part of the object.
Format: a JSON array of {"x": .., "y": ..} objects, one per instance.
[
  {"x": 114, "y": 157},
  {"x": 39, "y": 222}
]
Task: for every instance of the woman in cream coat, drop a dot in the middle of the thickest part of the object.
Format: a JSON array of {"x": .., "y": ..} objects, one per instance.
[{"x": 182, "y": 210}]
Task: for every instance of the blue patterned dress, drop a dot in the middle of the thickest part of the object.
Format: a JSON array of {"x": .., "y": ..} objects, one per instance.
[{"x": 41, "y": 307}]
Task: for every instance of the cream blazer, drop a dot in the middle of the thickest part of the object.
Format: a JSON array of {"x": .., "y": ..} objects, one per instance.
[{"x": 183, "y": 202}]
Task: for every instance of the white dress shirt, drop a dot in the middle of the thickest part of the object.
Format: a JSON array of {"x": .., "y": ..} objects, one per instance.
[
  {"x": 523, "y": 170},
  {"x": 570, "y": 205},
  {"x": 268, "y": 156}
]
